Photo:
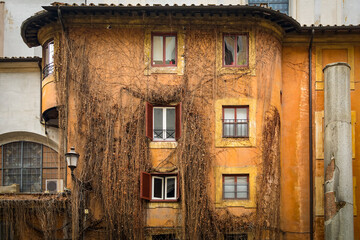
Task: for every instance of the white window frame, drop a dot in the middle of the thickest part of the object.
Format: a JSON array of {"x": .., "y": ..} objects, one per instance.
[
  {"x": 153, "y": 187},
  {"x": 166, "y": 179},
  {"x": 164, "y": 138}
]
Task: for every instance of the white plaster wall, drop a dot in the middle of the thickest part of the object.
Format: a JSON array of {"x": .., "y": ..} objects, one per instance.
[
  {"x": 20, "y": 105},
  {"x": 325, "y": 12}
]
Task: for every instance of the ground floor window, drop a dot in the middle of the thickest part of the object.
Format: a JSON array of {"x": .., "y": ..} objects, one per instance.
[
  {"x": 164, "y": 237},
  {"x": 242, "y": 236},
  {"x": 31, "y": 165}
]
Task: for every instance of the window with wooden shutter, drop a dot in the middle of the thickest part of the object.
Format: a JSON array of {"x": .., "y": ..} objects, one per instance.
[
  {"x": 163, "y": 123},
  {"x": 159, "y": 186},
  {"x": 149, "y": 120},
  {"x": 145, "y": 186}
]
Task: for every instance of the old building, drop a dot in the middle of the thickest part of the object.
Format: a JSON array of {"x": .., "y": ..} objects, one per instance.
[{"x": 191, "y": 122}]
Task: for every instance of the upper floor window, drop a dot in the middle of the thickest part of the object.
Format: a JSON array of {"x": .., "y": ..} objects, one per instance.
[
  {"x": 281, "y": 5},
  {"x": 33, "y": 166},
  {"x": 163, "y": 123},
  {"x": 236, "y": 121},
  {"x": 236, "y": 50},
  {"x": 164, "y": 50},
  {"x": 48, "y": 55},
  {"x": 236, "y": 186},
  {"x": 159, "y": 187}
]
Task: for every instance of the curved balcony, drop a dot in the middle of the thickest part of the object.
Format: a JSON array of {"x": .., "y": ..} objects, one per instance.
[{"x": 49, "y": 102}]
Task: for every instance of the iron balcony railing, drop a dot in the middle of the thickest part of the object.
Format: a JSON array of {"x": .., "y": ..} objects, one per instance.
[
  {"x": 235, "y": 128},
  {"x": 48, "y": 69},
  {"x": 164, "y": 134}
]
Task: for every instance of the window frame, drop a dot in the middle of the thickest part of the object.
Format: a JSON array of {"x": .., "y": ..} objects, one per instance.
[
  {"x": 41, "y": 167},
  {"x": 235, "y": 57},
  {"x": 147, "y": 186},
  {"x": 235, "y": 123},
  {"x": 48, "y": 68},
  {"x": 235, "y": 181},
  {"x": 164, "y": 35},
  {"x": 149, "y": 121},
  {"x": 164, "y": 118},
  {"x": 236, "y": 235},
  {"x": 268, "y": 3}
]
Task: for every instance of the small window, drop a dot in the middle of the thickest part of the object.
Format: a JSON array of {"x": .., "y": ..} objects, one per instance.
[
  {"x": 163, "y": 123},
  {"x": 236, "y": 50},
  {"x": 48, "y": 53},
  {"x": 236, "y": 121},
  {"x": 159, "y": 187},
  {"x": 281, "y": 5},
  {"x": 164, "y": 50},
  {"x": 236, "y": 186},
  {"x": 164, "y": 237},
  {"x": 242, "y": 236}
]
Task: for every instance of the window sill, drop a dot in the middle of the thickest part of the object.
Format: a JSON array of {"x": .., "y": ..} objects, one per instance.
[
  {"x": 162, "y": 145},
  {"x": 164, "y": 204}
]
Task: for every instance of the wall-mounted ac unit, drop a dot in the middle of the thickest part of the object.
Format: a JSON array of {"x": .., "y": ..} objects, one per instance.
[{"x": 54, "y": 185}]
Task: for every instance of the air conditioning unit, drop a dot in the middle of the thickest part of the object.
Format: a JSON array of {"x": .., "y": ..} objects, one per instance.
[{"x": 54, "y": 185}]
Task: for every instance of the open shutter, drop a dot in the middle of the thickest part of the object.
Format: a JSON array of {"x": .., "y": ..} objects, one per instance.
[
  {"x": 145, "y": 186},
  {"x": 178, "y": 122},
  {"x": 149, "y": 120}
]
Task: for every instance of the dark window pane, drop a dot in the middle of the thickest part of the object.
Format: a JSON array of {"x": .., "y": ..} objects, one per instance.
[
  {"x": 164, "y": 237},
  {"x": 158, "y": 187},
  {"x": 170, "y": 187},
  {"x": 242, "y": 236},
  {"x": 229, "y": 58}
]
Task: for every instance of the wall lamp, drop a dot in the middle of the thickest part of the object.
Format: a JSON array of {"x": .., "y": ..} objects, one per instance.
[{"x": 72, "y": 158}]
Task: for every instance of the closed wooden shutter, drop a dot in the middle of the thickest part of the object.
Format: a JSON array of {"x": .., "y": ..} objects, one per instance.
[
  {"x": 149, "y": 120},
  {"x": 145, "y": 186},
  {"x": 178, "y": 122}
]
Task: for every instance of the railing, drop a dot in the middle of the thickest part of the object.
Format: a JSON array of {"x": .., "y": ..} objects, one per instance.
[
  {"x": 235, "y": 128},
  {"x": 164, "y": 134},
  {"x": 48, "y": 69}
]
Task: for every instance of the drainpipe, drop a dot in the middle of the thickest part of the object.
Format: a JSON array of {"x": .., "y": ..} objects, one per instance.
[{"x": 311, "y": 141}]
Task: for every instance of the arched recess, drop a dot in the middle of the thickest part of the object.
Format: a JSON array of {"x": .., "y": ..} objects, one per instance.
[{"x": 31, "y": 161}]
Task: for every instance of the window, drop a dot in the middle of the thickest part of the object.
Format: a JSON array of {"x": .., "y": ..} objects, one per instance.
[
  {"x": 163, "y": 49},
  {"x": 29, "y": 164},
  {"x": 242, "y": 236},
  {"x": 236, "y": 186},
  {"x": 236, "y": 121},
  {"x": 164, "y": 237},
  {"x": 163, "y": 123},
  {"x": 236, "y": 50},
  {"x": 281, "y": 5},
  {"x": 48, "y": 53},
  {"x": 159, "y": 187}
]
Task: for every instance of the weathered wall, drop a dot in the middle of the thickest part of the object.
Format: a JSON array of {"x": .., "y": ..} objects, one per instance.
[
  {"x": 114, "y": 70},
  {"x": 20, "y": 108},
  {"x": 294, "y": 144}
]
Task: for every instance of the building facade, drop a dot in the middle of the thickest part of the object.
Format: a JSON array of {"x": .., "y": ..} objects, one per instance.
[{"x": 191, "y": 122}]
